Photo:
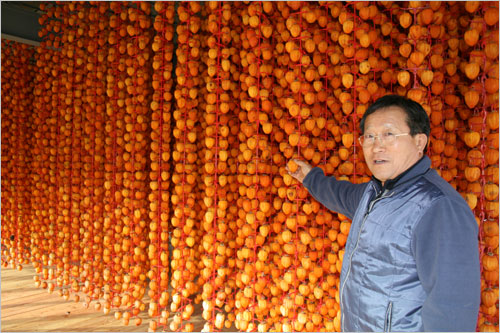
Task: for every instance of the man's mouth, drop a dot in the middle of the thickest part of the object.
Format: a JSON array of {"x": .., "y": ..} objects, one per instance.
[{"x": 379, "y": 161}]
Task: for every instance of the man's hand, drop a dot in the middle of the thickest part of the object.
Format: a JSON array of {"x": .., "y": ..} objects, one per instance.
[{"x": 298, "y": 169}]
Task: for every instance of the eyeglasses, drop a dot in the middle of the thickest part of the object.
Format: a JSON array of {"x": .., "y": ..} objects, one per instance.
[{"x": 388, "y": 138}]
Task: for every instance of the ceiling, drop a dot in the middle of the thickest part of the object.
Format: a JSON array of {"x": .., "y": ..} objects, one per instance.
[{"x": 20, "y": 20}]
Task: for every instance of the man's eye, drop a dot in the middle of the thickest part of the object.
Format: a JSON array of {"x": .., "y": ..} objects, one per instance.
[
  {"x": 388, "y": 135},
  {"x": 369, "y": 136}
]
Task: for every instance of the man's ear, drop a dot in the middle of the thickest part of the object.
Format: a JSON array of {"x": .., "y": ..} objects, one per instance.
[{"x": 421, "y": 141}]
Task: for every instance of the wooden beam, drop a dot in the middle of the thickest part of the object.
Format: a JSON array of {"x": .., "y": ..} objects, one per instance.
[{"x": 20, "y": 40}]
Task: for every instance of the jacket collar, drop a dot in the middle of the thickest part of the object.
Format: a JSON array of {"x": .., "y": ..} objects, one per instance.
[{"x": 417, "y": 169}]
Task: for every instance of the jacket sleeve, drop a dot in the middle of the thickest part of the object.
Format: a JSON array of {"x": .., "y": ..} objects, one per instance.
[
  {"x": 337, "y": 195},
  {"x": 445, "y": 246}
]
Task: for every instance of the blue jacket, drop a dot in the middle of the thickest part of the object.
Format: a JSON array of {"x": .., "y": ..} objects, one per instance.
[{"x": 411, "y": 260}]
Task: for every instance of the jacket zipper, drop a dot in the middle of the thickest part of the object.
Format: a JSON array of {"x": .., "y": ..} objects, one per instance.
[
  {"x": 388, "y": 318},
  {"x": 370, "y": 207}
]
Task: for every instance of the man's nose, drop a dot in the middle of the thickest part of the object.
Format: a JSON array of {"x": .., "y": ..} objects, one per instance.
[{"x": 378, "y": 144}]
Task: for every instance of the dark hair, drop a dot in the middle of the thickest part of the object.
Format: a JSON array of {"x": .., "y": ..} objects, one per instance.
[{"x": 416, "y": 117}]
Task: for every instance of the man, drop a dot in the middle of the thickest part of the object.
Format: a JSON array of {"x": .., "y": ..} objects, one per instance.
[{"x": 411, "y": 261}]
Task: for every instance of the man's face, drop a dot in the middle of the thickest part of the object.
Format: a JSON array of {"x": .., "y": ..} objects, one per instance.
[{"x": 387, "y": 161}]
